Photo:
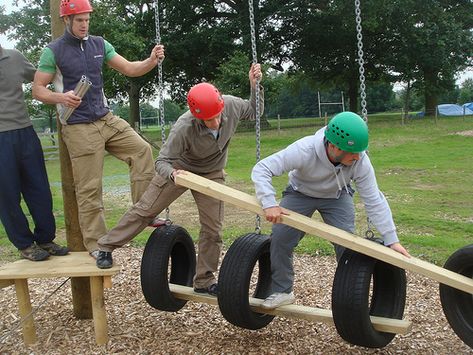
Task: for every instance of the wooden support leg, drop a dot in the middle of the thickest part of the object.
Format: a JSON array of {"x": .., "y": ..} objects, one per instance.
[
  {"x": 98, "y": 310},
  {"x": 24, "y": 305}
]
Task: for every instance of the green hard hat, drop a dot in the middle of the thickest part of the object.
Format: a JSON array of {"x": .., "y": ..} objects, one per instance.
[{"x": 348, "y": 132}]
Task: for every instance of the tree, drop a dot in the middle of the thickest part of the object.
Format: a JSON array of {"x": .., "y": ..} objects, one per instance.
[
  {"x": 380, "y": 97},
  {"x": 466, "y": 92},
  {"x": 428, "y": 43}
]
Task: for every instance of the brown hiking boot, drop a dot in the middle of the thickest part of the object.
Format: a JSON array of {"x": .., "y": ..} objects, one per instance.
[
  {"x": 54, "y": 249},
  {"x": 34, "y": 253}
]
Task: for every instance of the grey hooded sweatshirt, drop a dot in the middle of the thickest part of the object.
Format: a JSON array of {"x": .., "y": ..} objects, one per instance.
[{"x": 312, "y": 173}]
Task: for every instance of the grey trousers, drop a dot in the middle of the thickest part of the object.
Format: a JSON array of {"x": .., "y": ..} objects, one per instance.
[
  {"x": 339, "y": 213},
  {"x": 159, "y": 195}
]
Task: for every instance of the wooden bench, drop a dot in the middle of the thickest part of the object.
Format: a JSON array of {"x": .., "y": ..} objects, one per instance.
[{"x": 76, "y": 264}]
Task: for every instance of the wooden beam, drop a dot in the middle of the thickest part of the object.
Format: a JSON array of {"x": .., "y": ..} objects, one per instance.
[
  {"x": 333, "y": 234},
  {"x": 312, "y": 314}
]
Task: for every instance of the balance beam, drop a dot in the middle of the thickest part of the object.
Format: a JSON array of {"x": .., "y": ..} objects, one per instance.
[
  {"x": 332, "y": 234},
  {"x": 76, "y": 264},
  {"x": 388, "y": 325}
]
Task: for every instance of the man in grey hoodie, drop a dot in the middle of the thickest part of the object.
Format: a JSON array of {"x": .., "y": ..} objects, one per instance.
[{"x": 320, "y": 169}]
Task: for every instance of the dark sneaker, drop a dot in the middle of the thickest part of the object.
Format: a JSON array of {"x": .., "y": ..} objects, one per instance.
[
  {"x": 34, "y": 253},
  {"x": 104, "y": 260},
  {"x": 212, "y": 290},
  {"x": 54, "y": 249},
  {"x": 94, "y": 254}
]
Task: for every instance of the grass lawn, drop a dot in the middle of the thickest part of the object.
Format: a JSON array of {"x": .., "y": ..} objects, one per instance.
[{"x": 423, "y": 168}]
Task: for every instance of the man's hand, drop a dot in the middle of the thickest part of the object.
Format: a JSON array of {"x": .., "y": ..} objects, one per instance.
[
  {"x": 177, "y": 172},
  {"x": 274, "y": 214},
  {"x": 157, "y": 54},
  {"x": 69, "y": 99},
  {"x": 255, "y": 74},
  {"x": 400, "y": 249}
]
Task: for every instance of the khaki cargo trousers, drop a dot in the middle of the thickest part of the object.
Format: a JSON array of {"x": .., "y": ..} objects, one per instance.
[
  {"x": 160, "y": 194},
  {"x": 87, "y": 143}
]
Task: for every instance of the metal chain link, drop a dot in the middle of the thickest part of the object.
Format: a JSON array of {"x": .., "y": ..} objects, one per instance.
[
  {"x": 160, "y": 88},
  {"x": 364, "y": 112},
  {"x": 361, "y": 62},
  {"x": 257, "y": 95},
  {"x": 160, "y": 74}
]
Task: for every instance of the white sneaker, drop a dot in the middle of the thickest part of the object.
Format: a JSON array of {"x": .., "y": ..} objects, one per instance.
[{"x": 278, "y": 299}]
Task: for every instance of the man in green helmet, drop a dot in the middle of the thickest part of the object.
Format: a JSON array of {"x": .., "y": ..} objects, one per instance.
[{"x": 321, "y": 168}]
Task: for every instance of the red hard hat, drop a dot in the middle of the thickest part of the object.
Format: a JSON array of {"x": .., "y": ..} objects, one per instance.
[
  {"x": 205, "y": 101},
  {"x": 74, "y": 7}
]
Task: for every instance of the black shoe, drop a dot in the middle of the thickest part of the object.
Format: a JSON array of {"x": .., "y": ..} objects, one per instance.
[
  {"x": 212, "y": 290},
  {"x": 104, "y": 260}
]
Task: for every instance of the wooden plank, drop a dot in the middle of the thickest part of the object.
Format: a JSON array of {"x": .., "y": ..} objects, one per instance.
[
  {"x": 333, "y": 234},
  {"x": 75, "y": 264},
  {"x": 312, "y": 314}
]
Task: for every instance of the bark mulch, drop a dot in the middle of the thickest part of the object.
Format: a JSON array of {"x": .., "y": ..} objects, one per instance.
[{"x": 137, "y": 328}]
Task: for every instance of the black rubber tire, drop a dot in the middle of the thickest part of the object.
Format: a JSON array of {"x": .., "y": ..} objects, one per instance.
[
  {"x": 167, "y": 242},
  {"x": 351, "y": 304},
  {"x": 458, "y": 305},
  {"x": 234, "y": 281}
]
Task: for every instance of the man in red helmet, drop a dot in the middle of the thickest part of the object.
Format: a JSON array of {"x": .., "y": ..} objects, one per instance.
[
  {"x": 92, "y": 128},
  {"x": 198, "y": 143}
]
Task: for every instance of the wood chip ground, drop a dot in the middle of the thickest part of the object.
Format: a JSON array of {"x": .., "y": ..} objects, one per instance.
[{"x": 137, "y": 328}]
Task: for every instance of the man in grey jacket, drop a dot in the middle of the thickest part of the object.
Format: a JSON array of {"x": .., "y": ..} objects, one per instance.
[
  {"x": 198, "y": 143},
  {"x": 320, "y": 169},
  {"x": 23, "y": 172}
]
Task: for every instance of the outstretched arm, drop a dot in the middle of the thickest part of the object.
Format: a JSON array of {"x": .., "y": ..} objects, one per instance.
[{"x": 137, "y": 68}]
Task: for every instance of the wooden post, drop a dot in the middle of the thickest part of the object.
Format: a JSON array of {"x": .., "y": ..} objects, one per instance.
[
  {"x": 80, "y": 286},
  {"x": 24, "y": 306},
  {"x": 326, "y": 118}
]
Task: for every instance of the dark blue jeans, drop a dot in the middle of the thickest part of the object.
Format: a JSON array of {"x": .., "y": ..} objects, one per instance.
[{"x": 23, "y": 173}]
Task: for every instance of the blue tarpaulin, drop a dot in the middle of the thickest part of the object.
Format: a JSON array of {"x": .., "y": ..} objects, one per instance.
[
  {"x": 453, "y": 110},
  {"x": 468, "y": 105}
]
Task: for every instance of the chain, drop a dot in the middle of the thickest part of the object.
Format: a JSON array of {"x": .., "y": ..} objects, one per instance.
[
  {"x": 162, "y": 121},
  {"x": 359, "y": 36},
  {"x": 361, "y": 62},
  {"x": 160, "y": 75},
  {"x": 257, "y": 96}
]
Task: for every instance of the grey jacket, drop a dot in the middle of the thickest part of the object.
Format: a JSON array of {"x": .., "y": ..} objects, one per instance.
[
  {"x": 312, "y": 173},
  {"x": 14, "y": 71},
  {"x": 192, "y": 146}
]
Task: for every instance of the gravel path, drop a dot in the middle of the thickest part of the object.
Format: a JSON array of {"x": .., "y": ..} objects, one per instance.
[{"x": 137, "y": 328}]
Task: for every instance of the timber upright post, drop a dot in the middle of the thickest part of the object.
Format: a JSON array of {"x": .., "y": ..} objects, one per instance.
[{"x": 80, "y": 286}]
